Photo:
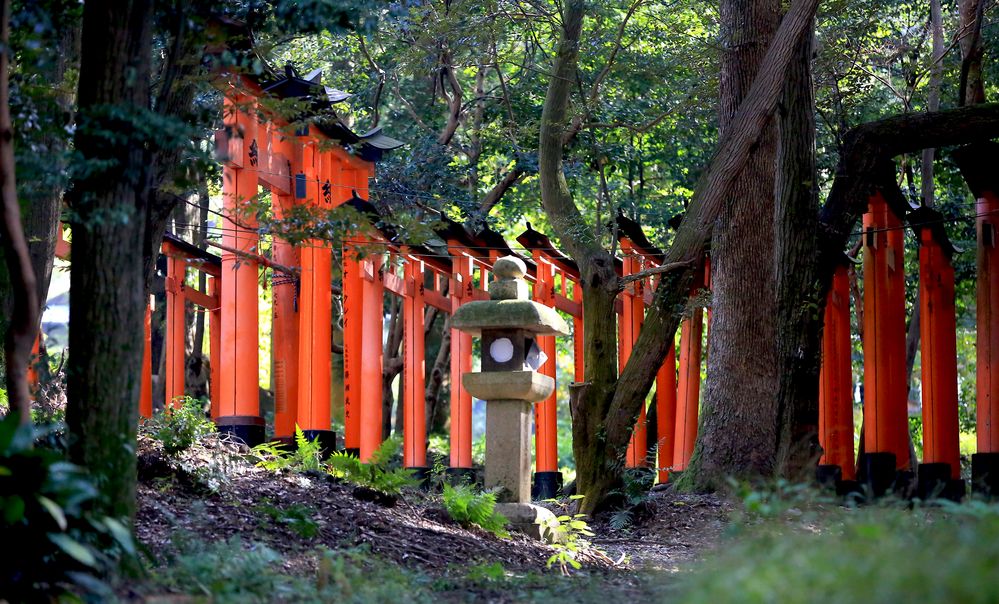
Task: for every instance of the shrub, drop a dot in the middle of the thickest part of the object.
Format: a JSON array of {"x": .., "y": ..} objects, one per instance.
[
  {"x": 52, "y": 542},
  {"x": 468, "y": 506},
  {"x": 178, "y": 428},
  {"x": 378, "y": 473}
]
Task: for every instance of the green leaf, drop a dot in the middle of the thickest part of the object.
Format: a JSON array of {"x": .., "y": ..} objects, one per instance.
[
  {"x": 54, "y": 510},
  {"x": 13, "y": 510},
  {"x": 5, "y": 471},
  {"x": 74, "y": 549},
  {"x": 121, "y": 534}
]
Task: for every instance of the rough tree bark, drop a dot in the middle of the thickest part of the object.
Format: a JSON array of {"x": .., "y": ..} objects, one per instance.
[
  {"x": 24, "y": 316},
  {"x": 108, "y": 222},
  {"x": 605, "y": 406},
  {"x": 796, "y": 230},
  {"x": 972, "y": 86},
  {"x": 738, "y": 421}
]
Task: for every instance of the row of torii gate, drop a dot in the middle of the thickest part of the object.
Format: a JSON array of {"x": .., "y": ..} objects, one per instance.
[{"x": 313, "y": 167}]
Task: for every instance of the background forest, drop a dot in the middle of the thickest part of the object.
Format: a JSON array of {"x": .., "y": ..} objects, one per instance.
[{"x": 515, "y": 114}]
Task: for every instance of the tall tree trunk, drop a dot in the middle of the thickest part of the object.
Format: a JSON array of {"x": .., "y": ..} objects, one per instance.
[
  {"x": 599, "y": 451},
  {"x": 597, "y": 464},
  {"x": 737, "y": 433},
  {"x": 109, "y": 217},
  {"x": 24, "y": 319},
  {"x": 796, "y": 224},
  {"x": 972, "y": 86}
]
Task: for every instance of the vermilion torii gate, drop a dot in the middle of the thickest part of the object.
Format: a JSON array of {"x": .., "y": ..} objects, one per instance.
[{"x": 321, "y": 164}]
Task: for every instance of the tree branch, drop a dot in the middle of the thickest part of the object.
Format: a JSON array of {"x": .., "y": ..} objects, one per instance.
[
  {"x": 24, "y": 320},
  {"x": 656, "y": 270}
]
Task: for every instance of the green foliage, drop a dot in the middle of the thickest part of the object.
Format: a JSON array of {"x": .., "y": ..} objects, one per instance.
[
  {"x": 238, "y": 572},
  {"x": 53, "y": 543},
  {"x": 178, "y": 428},
  {"x": 378, "y": 473},
  {"x": 870, "y": 555},
  {"x": 568, "y": 537},
  {"x": 467, "y": 505},
  {"x": 486, "y": 573},
  {"x": 297, "y": 517},
  {"x": 634, "y": 491},
  {"x": 275, "y": 456}
]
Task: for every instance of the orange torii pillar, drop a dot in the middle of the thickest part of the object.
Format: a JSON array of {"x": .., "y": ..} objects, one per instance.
[
  {"x": 414, "y": 400},
  {"x": 631, "y": 319},
  {"x": 353, "y": 313},
  {"x": 666, "y": 414},
  {"x": 940, "y": 472},
  {"x": 33, "y": 360},
  {"x": 985, "y": 463},
  {"x": 176, "y": 326},
  {"x": 315, "y": 355},
  {"x": 460, "y": 291},
  {"x": 146, "y": 385},
  {"x": 978, "y": 166},
  {"x": 578, "y": 356},
  {"x": 547, "y": 478},
  {"x": 836, "y": 385},
  {"x": 688, "y": 385},
  {"x": 284, "y": 308},
  {"x": 372, "y": 288},
  {"x": 215, "y": 346},
  {"x": 886, "y": 450},
  {"x": 239, "y": 393}
]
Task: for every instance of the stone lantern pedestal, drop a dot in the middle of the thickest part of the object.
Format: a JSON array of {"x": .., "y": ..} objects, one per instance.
[{"x": 509, "y": 323}]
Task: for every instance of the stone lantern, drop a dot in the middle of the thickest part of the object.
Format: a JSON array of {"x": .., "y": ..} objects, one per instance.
[{"x": 509, "y": 382}]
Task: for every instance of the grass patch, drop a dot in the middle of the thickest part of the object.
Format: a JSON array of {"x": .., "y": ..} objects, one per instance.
[
  {"x": 877, "y": 554},
  {"x": 246, "y": 573}
]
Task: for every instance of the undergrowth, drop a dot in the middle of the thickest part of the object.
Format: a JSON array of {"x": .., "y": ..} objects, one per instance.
[
  {"x": 238, "y": 572},
  {"x": 793, "y": 544},
  {"x": 467, "y": 506}
]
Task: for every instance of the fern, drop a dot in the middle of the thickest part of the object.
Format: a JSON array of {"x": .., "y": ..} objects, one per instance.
[
  {"x": 376, "y": 474},
  {"x": 467, "y": 506},
  {"x": 307, "y": 456}
]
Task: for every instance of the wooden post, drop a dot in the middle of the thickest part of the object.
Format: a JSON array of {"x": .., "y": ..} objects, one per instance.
[
  {"x": 314, "y": 316},
  {"x": 666, "y": 414},
  {"x": 215, "y": 345},
  {"x": 146, "y": 389},
  {"x": 938, "y": 336},
  {"x": 578, "y": 356},
  {"x": 176, "y": 327},
  {"x": 353, "y": 313},
  {"x": 239, "y": 401},
  {"x": 460, "y": 291},
  {"x": 546, "y": 474},
  {"x": 688, "y": 389},
  {"x": 632, "y": 317},
  {"x": 885, "y": 405},
  {"x": 987, "y": 209},
  {"x": 285, "y": 317},
  {"x": 835, "y": 381},
  {"x": 414, "y": 437},
  {"x": 977, "y": 164},
  {"x": 371, "y": 352}
]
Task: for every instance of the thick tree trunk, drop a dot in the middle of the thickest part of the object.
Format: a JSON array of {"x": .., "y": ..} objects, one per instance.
[
  {"x": 109, "y": 217},
  {"x": 796, "y": 230},
  {"x": 972, "y": 85},
  {"x": 738, "y": 422},
  {"x": 23, "y": 325},
  {"x": 600, "y": 467}
]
